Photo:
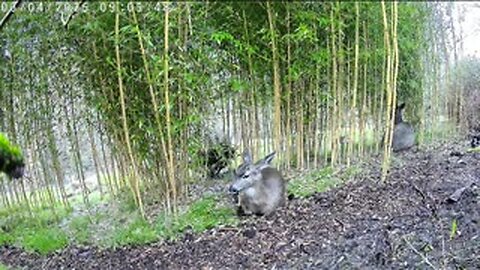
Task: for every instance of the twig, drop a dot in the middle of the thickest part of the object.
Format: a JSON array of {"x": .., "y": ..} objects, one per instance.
[
  {"x": 425, "y": 259},
  {"x": 9, "y": 13},
  {"x": 228, "y": 229},
  {"x": 419, "y": 191}
]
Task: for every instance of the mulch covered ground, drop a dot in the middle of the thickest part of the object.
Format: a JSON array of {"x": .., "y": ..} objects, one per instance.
[{"x": 405, "y": 223}]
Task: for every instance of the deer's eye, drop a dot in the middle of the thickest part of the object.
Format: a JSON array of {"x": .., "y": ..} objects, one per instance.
[{"x": 245, "y": 176}]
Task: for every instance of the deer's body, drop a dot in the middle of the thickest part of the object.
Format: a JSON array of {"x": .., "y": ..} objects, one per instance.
[
  {"x": 403, "y": 132},
  {"x": 403, "y": 137}
]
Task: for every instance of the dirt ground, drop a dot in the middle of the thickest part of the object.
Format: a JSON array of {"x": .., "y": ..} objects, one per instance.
[{"x": 405, "y": 223}]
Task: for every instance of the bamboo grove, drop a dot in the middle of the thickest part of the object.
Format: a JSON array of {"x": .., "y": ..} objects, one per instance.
[{"x": 135, "y": 91}]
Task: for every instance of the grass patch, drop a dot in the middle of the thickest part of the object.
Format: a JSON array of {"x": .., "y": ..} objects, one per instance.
[
  {"x": 317, "y": 181},
  {"x": 48, "y": 230},
  {"x": 44, "y": 240},
  {"x": 202, "y": 215},
  {"x": 5, "y": 238},
  {"x": 136, "y": 233},
  {"x": 48, "y": 217},
  {"x": 14, "y": 217},
  {"x": 79, "y": 228},
  {"x": 350, "y": 173},
  {"x": 3, "y": 267},
  {"x": 36, "y": 231}
]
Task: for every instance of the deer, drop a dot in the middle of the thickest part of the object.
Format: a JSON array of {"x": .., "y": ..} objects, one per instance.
[
  {"x": 403, "y": 132},
  {"x": 260, "y": 187}
]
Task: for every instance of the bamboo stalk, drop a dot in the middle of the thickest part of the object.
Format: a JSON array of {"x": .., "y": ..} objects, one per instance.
[
  {"x": 171, "y": 169},
  {"x": 276, "y": 83},
  {"x": 135, "y": 181}
]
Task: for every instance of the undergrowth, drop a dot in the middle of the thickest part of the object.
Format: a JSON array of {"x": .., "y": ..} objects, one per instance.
[
  {"x": 136, "y": 233},
  {"x": 36, "y": 232},
  {"x": 44, "y": 240},
  {"x": 79, "y": 228},
  {"x": 200, "y": 216},
  {"x": 47, "y": 231},
  {"x": 318, "y": 181}
]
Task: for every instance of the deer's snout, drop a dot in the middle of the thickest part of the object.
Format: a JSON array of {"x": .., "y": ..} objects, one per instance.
[{"x": 233, "y": 189}]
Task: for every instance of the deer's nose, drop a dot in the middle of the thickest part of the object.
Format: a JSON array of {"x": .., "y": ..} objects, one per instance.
[{"x": 232, "y": 189}]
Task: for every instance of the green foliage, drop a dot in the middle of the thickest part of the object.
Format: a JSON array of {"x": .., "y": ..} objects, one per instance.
[
  {"x": 128, "y": 228},
  {"x": 7, "y": 148},
  {"x": 79, "y": 227},
  {"x": 10, "y": 155},
  {"x": 136, "y": 233},
  {"x": 44, "y": 240},
  {"x": 126, "y": 199},
  {"x": 3, "y": 267},
  {"x": 46, "y": 232},
  {"x": 317, "y": 181},
  {"x": 350, "y": 173},
  {"x": 18, "y": 218},
  {"x": 202, "y": 215},
  {"x": 38, "y": 233},
  {"x": 5, "y": 238},
  {"x": 453, "y": 230},
  {"x": 48, "y": 217}
]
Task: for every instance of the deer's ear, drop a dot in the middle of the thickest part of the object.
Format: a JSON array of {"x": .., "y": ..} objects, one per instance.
[
  {"x": 265, "y": 162},
  {"x": 268, "y": 159},
  {"x": 401, "y": 106},
  {"x": 247, "y": 157}
]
